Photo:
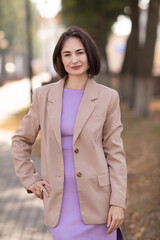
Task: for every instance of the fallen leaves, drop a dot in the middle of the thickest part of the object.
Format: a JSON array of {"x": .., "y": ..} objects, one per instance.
[{"x": 141, "y": 142}]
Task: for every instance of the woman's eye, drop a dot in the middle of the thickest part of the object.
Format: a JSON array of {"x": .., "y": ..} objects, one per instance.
[
  {"x": 80, "y": 52},
  {"x": 66, "y": 55}
]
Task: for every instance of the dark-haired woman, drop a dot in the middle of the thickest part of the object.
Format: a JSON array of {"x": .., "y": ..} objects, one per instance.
[{"x": 83, "y": 168}]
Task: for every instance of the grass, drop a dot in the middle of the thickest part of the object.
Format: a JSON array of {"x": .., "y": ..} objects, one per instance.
[
  {"x": 12, "y": 124},
  {"x": 141, "y": 141},
  {"x": 13, "y": 121}
]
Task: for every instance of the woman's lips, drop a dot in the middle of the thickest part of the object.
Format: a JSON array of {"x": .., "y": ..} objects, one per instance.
[{"x": 76, "y": 67}]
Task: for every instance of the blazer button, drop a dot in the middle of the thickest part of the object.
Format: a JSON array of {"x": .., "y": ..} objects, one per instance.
[
  {"x": 76, "y": 150},
  {"x": 79, "y": 174}
]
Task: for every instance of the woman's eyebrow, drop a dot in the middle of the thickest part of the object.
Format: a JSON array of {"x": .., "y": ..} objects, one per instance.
[
  {"x": 65, "y": 52},
  {"x": 76, "y": 50},
  {"x": 79, "y": 49}
]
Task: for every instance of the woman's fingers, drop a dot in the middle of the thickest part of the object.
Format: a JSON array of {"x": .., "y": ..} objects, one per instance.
[
  {"x": 109, "y": 219},
  {"x": 45, "y": 182},
  {"x": 38, "y": 188},
  {"x": 115, "y": 218},
  {"x": 112, "y": 227},
  {"x": 43, "y": 189}
]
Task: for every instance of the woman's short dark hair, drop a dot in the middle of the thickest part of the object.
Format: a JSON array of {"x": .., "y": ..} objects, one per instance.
[{"x": 90, "y": 46}]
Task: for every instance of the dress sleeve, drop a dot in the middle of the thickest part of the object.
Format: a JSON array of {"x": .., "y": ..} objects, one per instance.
[
  {"x": 22, "y": 142},
  {"x": 114, "y": 152}
]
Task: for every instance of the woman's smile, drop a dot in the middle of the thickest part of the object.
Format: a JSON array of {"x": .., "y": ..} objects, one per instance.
[{"x": 76, "y": 67}]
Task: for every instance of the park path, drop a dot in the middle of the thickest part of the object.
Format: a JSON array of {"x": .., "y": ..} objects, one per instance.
[
  {"x": 21, "y": 214},
  {"x": 16, "y": 95}
]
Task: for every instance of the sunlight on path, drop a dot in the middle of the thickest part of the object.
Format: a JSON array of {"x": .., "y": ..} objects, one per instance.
[{"x": 21, "y": 213}]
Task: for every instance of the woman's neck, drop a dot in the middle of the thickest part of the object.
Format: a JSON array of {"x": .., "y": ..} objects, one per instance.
[{"x": 76, "y": 82}]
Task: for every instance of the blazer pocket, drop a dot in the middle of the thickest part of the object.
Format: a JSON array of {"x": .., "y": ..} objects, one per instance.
[
  {"x": 95, "y": 116},
  {"x": 103, "y": 180}
]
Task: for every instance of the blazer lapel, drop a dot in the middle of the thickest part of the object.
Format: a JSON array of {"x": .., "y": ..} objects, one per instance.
[
  {"x": 55, "y": 108},
  {"x": 86, "y": 107}
]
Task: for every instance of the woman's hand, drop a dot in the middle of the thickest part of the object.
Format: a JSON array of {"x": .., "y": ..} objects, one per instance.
[
  {"x": 115, "y": 218},
  {"x": 38, "y": 188}
]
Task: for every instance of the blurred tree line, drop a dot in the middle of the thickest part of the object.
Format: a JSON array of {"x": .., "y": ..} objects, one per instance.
[
  {"x": 13, "y": 36},
  {"x": 97, "y": 17}
]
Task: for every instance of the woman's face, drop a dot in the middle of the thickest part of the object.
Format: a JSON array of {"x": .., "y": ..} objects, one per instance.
[{"x": 74, "y": 57}]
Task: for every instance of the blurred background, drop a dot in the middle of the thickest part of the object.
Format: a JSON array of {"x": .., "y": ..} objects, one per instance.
[{"x": 128, "y": 35}]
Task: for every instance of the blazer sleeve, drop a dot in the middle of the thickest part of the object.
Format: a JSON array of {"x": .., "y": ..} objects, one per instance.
[
  {"x": 114, "y": 152},
  {"x": 22, "y": 142}
]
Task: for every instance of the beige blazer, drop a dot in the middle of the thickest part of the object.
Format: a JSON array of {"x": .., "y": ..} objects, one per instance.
[{"x": 99, "y": 156}]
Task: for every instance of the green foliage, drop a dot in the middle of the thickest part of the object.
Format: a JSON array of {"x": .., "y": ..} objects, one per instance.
[
  {"x": 13, "y": 23},
  {"x": 96, "y": 16},
  {"x": 35, "y": 26},
  {"x": 91, "y": 14}
]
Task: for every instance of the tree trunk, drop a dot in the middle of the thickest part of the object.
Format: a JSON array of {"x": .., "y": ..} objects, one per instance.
[
  {"x": 101, "y": 38},
  {"x": 129, "y": 68},
  {"x": 29, "y": 43},
  {"x": 3, "y": 70},
  {"x": 3, "y": 67},
  {"x": 144, "y": 79},
  {"x": 144, "y": 89}
]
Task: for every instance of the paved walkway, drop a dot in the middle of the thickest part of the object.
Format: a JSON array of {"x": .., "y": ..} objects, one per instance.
[
  {"x": 16, "y": 95},
  {"x": 21, "y": 214}
]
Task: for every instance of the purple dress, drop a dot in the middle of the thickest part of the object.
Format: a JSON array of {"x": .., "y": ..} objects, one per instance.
[{"x": 71, "y": 225}]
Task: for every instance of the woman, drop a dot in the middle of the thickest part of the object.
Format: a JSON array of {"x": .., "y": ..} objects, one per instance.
[{"x": 83, "y": 167}]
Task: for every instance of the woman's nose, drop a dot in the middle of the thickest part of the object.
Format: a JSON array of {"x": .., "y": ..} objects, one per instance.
[{"x": 74, "y": 59}]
